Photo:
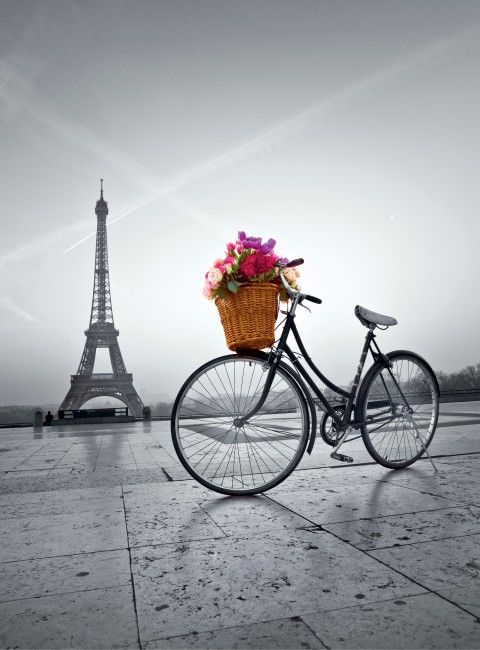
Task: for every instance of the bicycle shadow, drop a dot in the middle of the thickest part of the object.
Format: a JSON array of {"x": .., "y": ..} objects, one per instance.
[{"x": 243, "y": 515}]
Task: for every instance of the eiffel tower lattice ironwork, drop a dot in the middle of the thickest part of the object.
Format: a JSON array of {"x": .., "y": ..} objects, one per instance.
[{"x": 102, "y": 334}]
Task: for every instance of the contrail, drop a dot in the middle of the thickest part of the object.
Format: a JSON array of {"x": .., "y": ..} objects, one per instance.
[
  {"x": 420, "y": 60},
  {"x": 175, "y": 201},
  {"x": 155, "y": 189},
  {"x": 12, "y": 90},
  {"x": 40, "y": 244},
  {"x": 7, "y": 303},
  {"x": 16, "y": 88}
]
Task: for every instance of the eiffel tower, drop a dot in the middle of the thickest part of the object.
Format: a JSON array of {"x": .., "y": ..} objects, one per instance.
[{"x": 102, "y": 334}]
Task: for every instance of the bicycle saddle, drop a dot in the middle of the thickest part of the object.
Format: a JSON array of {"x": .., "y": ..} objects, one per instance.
[{"x": 367, "y": 317}]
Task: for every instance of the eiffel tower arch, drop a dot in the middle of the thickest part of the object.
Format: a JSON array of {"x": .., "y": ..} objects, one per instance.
[{"x": 86, "y": 384}]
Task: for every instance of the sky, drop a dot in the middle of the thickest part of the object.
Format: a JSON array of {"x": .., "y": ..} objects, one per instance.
[{"x": 348, "y": 131}]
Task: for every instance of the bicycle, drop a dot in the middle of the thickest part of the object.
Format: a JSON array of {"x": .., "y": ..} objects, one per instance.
[{"x": 242, "y": 422}]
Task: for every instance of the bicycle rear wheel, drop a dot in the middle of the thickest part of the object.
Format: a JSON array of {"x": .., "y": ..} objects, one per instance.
[
  {"x": 239, "y": 460},
  {"x": 399, "y": 407}
]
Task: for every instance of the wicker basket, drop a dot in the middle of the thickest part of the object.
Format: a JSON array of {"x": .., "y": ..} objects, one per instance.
[{"x": 248, "y": 316}]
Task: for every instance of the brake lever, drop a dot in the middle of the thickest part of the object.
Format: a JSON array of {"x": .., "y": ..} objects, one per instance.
[{"x": 305, "y": 307}]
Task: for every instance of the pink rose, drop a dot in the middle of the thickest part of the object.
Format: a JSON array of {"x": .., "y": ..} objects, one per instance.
[
  {"x": 214, "y": 276},
  {"x": 207, "y": 290}
]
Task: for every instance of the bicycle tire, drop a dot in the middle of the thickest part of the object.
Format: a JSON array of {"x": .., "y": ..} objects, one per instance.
[
  {"x": 220, "y": 391},
  {"x": 400, "y": 442}
]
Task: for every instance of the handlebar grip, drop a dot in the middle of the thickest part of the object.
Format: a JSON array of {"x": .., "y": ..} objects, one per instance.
[
  {"x": 313, "y": 299},
  {"x": 296, "y": 262}
]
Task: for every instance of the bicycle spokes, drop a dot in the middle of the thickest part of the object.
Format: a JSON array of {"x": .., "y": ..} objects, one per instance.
[
  {"x": 400, "y": 411},
  {"x": 227, "y": 452}
]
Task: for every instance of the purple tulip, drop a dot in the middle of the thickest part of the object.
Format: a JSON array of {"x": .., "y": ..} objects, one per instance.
[
  {"x": 253, "y": 242},
  {"x": 268, "y": 246}
]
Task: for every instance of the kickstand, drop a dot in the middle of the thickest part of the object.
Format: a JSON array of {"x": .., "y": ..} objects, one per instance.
[
  {"x": 425, "y": 449},
  {"x": 341, "y": 457}
]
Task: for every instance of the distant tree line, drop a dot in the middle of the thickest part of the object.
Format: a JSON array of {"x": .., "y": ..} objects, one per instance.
[
  {"x": 22, "y": 414},
  {"x": 467, "y": 378}
]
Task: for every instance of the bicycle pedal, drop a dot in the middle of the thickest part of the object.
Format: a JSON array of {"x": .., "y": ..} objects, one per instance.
[{"x": 341, "y": 457}]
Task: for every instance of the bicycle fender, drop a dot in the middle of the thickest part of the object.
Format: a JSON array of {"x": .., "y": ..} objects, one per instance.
[
  {"x": 303, "y": 387},
  {"x": 394, "y": 353}
]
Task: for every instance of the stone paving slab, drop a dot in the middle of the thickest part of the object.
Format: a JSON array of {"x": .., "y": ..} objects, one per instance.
[
  {"x": 63, "y": 574},
  {"x": 471, "y": 460},
  {"x": 267, "y": 565},
  {"x": 456, "y": 481},
  {"x": 351, "y": 501},
  {"x": 247, "y": 516},
  {"x": 205, "y": 586},
  {"x": 424, "y": 621},
  {"x": 152, "y": 523},
  {"x": 449, "y": 567},
  {"x": 272, "y": 635},
  {"x": 66, "y": 478},
  {"x": 26, "y": 475},
  {"x": 177, "y": 492},
  {"x": 398, "y": 530},
  {"x": 38, "y": 461},
  {"x": 100, "y": 618},
  {"x": 66, "y": 501},
  {"x": 23, "y": 538}
]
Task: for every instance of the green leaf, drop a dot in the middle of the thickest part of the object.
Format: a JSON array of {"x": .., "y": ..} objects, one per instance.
[{"x": 232, "y": 286}]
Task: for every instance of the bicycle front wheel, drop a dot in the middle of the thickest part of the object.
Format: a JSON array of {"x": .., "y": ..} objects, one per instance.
[
  {"x": 239, "y": 460},
  {"x": 399, "y": 408}
]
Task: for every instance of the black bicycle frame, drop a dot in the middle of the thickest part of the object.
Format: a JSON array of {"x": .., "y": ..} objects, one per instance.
[{"x": 342, "y": 422}]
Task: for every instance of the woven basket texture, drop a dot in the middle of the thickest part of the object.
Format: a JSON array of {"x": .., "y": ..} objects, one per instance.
[{"x": 248, "y": 316}]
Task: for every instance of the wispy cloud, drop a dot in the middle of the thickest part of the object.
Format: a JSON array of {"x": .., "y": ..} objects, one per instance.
[
  {"x": 417, "y": 61},
  {"x": 7, "y": 304},
  {"x": 154, "y": 188},
  {"x": 179, "y": 203},
  {"x": 143, "y": 178},
  {"x": 41, "y": 244}
]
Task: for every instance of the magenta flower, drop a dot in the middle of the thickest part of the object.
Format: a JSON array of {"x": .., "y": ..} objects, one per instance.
[{"x": 257, "y": 264}]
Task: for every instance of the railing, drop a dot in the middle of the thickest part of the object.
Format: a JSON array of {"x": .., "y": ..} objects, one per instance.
[
  {"x": 73, "y": 414},
  {"x": 101, "y": 376},
  {"x": 455, "y": 395},
  {"x": 460, "y": 395}
]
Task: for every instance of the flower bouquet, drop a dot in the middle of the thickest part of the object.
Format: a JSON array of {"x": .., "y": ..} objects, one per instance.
[{"x": 246, "y": 285}]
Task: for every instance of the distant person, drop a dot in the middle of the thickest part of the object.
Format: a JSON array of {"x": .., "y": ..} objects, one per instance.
[{"x": 48, "y": 419}]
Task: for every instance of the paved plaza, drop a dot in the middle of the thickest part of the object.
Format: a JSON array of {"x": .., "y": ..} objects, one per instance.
[{"x": 106, "y": 542}]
